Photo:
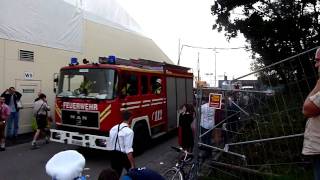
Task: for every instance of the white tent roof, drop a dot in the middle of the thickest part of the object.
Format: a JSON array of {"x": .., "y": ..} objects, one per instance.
[
  {"x": 108, "y": 12},
  {"x": 61, "y": 24}
]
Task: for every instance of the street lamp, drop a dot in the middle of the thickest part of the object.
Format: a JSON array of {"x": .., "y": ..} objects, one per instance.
[
  {"x": 209, "y": 74},
  {"x": 215, "y": 66}
]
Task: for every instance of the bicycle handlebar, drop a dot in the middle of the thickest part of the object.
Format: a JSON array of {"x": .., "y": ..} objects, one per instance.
[
  {"x": 177, "y": 149},
  {"x": 180, "y": 150}
]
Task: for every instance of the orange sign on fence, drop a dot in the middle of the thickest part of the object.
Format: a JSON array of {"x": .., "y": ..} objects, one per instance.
[{"x": 215, "y": 100}]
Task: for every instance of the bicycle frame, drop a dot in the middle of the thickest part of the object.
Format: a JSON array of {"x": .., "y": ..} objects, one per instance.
[{"x": 180, "y": 166}]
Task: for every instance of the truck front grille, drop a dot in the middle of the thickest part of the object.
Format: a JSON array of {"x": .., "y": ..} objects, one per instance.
[{"x": 80, "y": 118}]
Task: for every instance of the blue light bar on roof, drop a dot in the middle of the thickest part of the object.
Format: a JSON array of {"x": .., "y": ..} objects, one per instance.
[
  {"x": 74, "y": 61},
  {"x": 112, "y": 59}
]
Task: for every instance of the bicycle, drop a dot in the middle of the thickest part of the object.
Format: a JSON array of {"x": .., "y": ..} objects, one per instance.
[
  {"x": 67, "y": 165},
  {"x": 184, "y": 169}
]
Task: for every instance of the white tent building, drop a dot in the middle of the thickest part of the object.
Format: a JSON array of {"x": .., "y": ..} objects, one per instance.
[{"x": 38, "y": 37}]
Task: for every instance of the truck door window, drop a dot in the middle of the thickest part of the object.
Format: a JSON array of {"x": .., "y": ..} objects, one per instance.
[
  {"x": 156, "y": 83},
  {"x": 129, "y": 85},
  {"x": 144, "y": 84}
]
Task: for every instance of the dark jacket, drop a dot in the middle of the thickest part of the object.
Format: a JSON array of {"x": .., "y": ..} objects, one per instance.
[
  {"x": 16, "y": 97},
  {"x": 142, "y": 174}
]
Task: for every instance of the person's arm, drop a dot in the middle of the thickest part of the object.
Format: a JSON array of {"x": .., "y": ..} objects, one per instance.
[
  {"x": 18, "y": 95},
  {"x": 46, "y": 107},
  {"x": 131, "y": 159},
  {"x": 3, "y": 94},
  {"x": 311, "y": 106},
  {"x": 129, "y": 149}
]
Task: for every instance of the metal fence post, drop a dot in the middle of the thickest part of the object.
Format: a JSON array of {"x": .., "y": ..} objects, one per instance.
[{"x": 197, "y": 130}]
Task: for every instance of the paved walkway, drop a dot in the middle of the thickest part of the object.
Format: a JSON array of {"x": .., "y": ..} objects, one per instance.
[{"x": 21, "y": 139}]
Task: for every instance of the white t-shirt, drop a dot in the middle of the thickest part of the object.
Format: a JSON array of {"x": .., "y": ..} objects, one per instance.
[
  {"x": 311, "y": 142},
  {"x": 40, "y": 107},
  {"x": 11, "y": 104},
  {"x": 125, "y": 138},
  {"x": 207, "y": 116}
]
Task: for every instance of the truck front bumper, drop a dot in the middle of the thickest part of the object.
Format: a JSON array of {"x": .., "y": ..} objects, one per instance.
[{"x": 75, "y": 138}]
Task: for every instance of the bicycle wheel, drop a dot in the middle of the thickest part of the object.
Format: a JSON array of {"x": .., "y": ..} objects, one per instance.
[{"x": 173, "y": 174}]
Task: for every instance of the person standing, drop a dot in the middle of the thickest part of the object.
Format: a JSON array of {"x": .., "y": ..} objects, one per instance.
[
  {"x": 4, "y": 115},
  {"x": 11, "y": 98},
  {"x": 120, "y": 144},
  {"x": 311, "y": 109},
  {"x": 157, "y": 87},
  {"x": 218, "y": 117},
  {"x": 185, "y": 120},
  {"x": 207, "y": 122},
  {"x": 206, "y": 125},
  {"x": 40, "y": 111}
]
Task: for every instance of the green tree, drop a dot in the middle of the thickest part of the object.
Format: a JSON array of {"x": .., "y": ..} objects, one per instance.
[{"x": 275, "y": 29}]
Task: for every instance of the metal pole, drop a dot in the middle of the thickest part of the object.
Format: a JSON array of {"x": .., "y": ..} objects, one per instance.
[
  {"x": 197, "y": 130},
  {"x": 245, "y": 112},
  {"x": 179, "y": 52},
  {"x": 223, "y": 150},
  {"x": 215, "y": 67},
  {"x": 264, "y": 140},
  {"x": 198, "y": 69}
]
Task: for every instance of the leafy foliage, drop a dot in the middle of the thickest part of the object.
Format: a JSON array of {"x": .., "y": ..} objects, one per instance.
[{"x": 275, "y": 29}]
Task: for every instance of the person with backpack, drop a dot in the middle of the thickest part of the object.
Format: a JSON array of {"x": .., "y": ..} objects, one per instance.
[
  {"x": 120, "y": 144},
  {"x": 40, "y": 111}
]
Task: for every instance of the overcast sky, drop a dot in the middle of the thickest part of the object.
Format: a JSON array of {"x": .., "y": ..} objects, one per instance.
[{"x": 165, "y": 21}]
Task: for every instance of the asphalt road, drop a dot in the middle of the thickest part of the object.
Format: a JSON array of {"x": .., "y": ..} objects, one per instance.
[{"x": 20, "y": 162}]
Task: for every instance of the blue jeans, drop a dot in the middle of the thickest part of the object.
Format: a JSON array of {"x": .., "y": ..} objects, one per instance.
[
  {"x": 207, "y": 138},
  {"x": 13, "y": 121}
]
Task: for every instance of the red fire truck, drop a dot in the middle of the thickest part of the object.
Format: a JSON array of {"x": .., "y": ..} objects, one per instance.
[{"x": 91, "y": 97}]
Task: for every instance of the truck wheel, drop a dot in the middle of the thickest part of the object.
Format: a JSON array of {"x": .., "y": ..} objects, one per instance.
[{"x": 141, "y": 138}]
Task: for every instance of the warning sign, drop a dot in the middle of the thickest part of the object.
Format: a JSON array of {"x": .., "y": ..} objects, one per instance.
[{"x": 215, "y": 100}]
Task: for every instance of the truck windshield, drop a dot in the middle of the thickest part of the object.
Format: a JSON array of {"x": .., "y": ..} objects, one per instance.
[{"x": 87, "y": 83}]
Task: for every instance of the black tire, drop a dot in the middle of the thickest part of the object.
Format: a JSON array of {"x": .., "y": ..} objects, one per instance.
[
  {"x": 141, "y": 138},
  {"x": 173, "y": 174}
]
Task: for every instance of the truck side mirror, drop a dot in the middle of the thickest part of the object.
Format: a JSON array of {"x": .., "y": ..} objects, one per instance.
[{"x": 55, "y": 82}]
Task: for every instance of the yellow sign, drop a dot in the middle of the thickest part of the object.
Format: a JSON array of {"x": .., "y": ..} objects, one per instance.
[{"x": 215, "y": 100}]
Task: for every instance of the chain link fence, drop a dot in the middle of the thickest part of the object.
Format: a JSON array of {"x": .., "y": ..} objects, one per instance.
[{"x": 258, "y": 133}]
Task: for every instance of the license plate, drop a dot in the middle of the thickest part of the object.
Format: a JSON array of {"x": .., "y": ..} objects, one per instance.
[{"x": 78, "y": 143}]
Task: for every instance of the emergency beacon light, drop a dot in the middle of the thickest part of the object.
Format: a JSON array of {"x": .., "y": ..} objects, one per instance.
[
  {"x": 74, "y": 61},
  {"x": 112, "y": 59},
  {"x": 107, "y": 60}
]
